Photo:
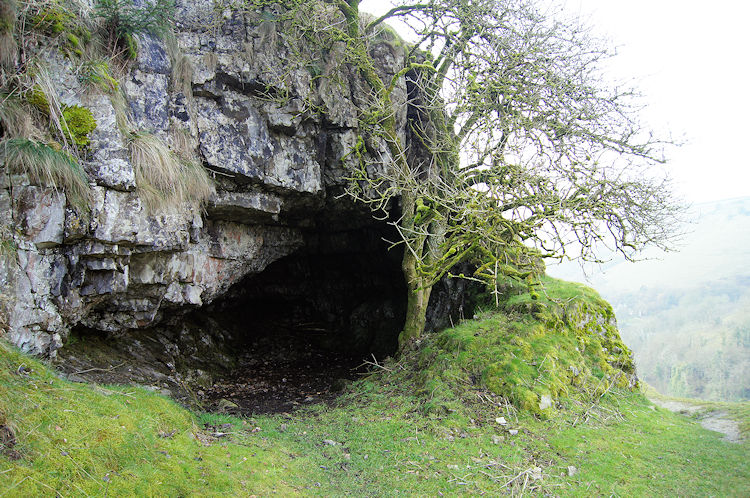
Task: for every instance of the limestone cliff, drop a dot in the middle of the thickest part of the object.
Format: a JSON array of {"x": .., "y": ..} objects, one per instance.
[{"x": 275, "y": 138}]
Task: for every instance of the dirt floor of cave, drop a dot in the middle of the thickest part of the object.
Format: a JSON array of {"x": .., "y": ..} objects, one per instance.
[{"x": 281, "y": 373}]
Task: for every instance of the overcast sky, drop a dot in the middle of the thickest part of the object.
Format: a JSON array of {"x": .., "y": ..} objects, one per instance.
[{"x": 690, "y": 60}]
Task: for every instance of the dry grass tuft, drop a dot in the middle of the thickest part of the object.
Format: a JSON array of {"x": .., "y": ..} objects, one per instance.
[
  {"x": 182, "y": 76},
  {"x": 15, "y": 119},
  {"x": 8, "y": 46},
  {"x": 196, "y": 183},
  {"x": 47, "y": 87},
  {"x": 164, "y": 179},
  {"x": 47, "y": 166}
]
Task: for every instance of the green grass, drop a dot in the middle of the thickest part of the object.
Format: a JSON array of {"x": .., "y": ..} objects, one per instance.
[
  {"x": 77, "y": 439},
  {"x": 426, "y": 424}
]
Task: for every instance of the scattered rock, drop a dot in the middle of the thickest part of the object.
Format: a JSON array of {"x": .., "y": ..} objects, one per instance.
[
  {"x": 501, "y": 421},
  {"x": 572, "y": 470},
  {"x": 513, "y": 432},
  {"x": 225, "y": 405},
  {"x": 329, "y": 442},
  {"x": 545, "y": 402},
  {"x": 536, "y": 473},
  {"x": 497, "y": 439}
]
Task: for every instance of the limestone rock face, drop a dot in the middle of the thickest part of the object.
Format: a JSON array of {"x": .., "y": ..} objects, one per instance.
[{"x": 228, "y": 86}]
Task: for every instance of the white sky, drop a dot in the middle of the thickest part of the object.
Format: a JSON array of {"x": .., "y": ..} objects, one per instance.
[{"x": 690, "y": 60}]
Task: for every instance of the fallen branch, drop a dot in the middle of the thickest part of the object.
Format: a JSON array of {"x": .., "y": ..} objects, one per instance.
[
  {"x": 374, "y": 363},
  {"x": 95, "y": 369}
]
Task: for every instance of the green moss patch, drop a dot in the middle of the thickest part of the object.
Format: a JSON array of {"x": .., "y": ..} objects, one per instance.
[
  {"x": 55, "y": 20},
  {"x": 542, "y": 354},
  {"x": 77, "y": 124}
]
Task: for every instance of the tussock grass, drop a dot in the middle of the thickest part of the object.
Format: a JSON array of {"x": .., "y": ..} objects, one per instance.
[
  {"x": 182, "y": 75},
  {"x": 71, "y": 124},
  {"x": 15, "y": 119},
  {"x": 163, "y": 179},
  {"x": 8, "y": 46},
  {"x": 46, "y": 87},
  {"x": 96, "y": 72},
  {"x": 48, "y": 167},
  {"x": 120, "y": 106}
]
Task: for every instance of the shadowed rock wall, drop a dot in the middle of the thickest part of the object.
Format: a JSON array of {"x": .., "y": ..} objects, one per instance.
[
  {"x": 276, "y": 139},
  {"x": 277, "y": 165}
]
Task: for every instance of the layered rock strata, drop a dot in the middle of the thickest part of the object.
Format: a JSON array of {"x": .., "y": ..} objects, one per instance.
[{"x": 275, "y": 137}]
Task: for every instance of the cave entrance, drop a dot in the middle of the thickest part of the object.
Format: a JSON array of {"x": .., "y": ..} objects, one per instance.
[
  {"x": 304, "y": 326},
  {"x": 292, "y": 335}
]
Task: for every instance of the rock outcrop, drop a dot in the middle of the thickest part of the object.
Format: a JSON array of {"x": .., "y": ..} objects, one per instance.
[{"x": 275, "y": 137}]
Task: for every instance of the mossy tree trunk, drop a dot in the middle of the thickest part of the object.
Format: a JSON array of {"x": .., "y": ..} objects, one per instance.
[
  {"x": 418, "y": 298},
  {"x": 513, "y": 118},
  {"x": 418, "y": 286}
]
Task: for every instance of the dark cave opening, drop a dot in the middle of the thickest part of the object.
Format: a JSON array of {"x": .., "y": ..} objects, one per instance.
[
  {"x": 294, "y": 334},
  {"x": 344, "y": 290},
  {"x": 304, "y": 326}
]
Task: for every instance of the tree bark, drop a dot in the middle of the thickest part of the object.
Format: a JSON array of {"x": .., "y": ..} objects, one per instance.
[{"x": 418, "y": 297}]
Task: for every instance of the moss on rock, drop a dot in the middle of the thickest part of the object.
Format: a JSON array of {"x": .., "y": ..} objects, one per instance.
[
  {"x": 77, "y": 124},
  {"x": 540, "y": 354}
]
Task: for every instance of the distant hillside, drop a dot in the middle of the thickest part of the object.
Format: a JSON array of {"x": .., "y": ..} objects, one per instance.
[{"x": 686, "y": 314}]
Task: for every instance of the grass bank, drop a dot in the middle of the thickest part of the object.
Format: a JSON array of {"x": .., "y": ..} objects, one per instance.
[{"x": 438, "y": 420}]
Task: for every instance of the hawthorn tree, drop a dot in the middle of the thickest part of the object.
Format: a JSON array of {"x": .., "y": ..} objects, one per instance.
[{"x": 517, "y": 149}]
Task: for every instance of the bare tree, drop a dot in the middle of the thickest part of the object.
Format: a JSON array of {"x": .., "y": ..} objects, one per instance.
[{"x": 518, "y": 147}]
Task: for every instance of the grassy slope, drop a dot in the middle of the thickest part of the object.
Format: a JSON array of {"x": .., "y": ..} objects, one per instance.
[{"x": 426, "y": 425}]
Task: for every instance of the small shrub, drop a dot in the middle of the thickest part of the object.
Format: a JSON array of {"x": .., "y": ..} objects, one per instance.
[
  {"x": 47, "y": 166},
  {"x": 123, "y": 19}
]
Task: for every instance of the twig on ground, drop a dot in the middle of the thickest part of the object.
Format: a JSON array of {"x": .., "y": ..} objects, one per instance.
[{"x": 95, "y": 369}]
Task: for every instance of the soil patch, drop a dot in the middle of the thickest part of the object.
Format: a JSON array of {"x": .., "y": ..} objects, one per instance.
[
  {"x": 280, "y": 373},
  {"x": 714, "y": 421},
  {"x": 720, "y": 422}
]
